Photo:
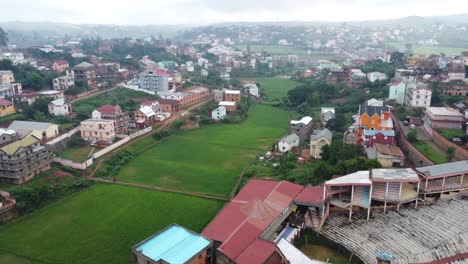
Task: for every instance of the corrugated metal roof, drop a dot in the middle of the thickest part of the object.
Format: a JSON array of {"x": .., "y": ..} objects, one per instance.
[
  {"x": 29, "y": 125},
  {"x": 451, "y": 168},
  {"x": 173, "y": 245},
  {"x": 12, "y": 148}
]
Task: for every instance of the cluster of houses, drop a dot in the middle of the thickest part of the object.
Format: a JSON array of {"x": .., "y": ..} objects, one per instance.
[
  {"x": 302, "y": 135},
  {"x": 228, "y": 101}
]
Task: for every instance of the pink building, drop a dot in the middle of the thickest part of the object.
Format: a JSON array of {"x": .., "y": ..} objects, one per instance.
[{"x": 442, "y": 117}]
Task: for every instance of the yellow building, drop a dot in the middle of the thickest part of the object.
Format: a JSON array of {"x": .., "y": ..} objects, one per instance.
[{"x": 6, "y": 107}]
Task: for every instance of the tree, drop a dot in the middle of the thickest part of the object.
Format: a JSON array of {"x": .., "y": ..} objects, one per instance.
[
  {"x": 397, "y": 58},
  {"x": 412, "y": 136},
  {"x": 450, "y": 153},
  {"x": 3, "y": 37}
]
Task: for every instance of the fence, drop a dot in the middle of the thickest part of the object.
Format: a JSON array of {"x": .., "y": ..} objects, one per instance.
[
  {"x": 100, "y": 153},
  {"x": 418, "y": 158},
  {"x": 440, "y": 141},
  {"x": 63, "y": 136}
]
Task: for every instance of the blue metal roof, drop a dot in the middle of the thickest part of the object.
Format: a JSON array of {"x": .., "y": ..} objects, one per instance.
[
  {"x": 387, "y": 133},
  {"x": 173, "y": 245}
]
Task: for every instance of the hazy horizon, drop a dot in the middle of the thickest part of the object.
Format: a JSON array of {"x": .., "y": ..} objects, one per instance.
[{"x": 203, "y": 12}]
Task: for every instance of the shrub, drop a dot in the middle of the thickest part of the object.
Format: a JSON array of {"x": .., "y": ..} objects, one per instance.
[{"x": 412, "y": 136}]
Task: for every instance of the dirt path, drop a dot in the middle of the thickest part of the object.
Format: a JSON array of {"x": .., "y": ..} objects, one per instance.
[
  {"x": 94, "y": 94},
  {"x": 151, "y": 187}
]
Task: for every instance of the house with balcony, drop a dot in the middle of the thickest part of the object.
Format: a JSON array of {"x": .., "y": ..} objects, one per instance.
[
  {"x": 114, "y": 113},
  {"x": 64, "y": 82},
  {"x": 60, "y": 65},
  {"x": 97, "y": 130},
  {"x": 418, "y": 95},
  {"x": 86, "y": 71}
]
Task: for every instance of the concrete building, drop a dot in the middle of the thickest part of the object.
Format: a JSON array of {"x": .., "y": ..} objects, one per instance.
[
  {"x": 60, "y": 107},
  {"x": 15, "y": 57},
  {"x": 7, "y": 135},
  {"x": 288, "y": 142},
  {"x": 318, "y": 140},
  {"x": 252, "y": 88},
  {"x": 64, "y": 82},
  {"x": 114, "y": 113},
  {"x": 86, "y": 71},
  {"x": 174, "y": 244},
  {"x": 151, "y": 81},
  {"x": 60, "y": 65},
  {"x": 397, "y": 91},
  {"x": 218, "y": 113},
  {"x": 7, "y": 77},
  {"x": 302, "y": 128},
  {"x": 23, "y": 159},
  {"x": 169, "y": 105},
  {"x": 326, "y": 113},
  {"x": 442, "y": 117},
  {"x": 232, "y": 96},
  {"x": 218, "y": 95},
  {"x": 376, "y": 76},
  {"x": 145, "y": 117},
  {"x": 97, "y": 130},
  {"x": 418, "y": 96},
  {"x": 41, "y": 130}
]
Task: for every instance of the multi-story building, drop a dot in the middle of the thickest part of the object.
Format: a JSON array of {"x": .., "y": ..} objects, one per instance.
[
  {"x": 86, "y": 71},
  {"x": 109, "y": 71},
  {"x": 169, "y": 105},
  {"x": 6, "y": 77},
  {"x": 194, "y": 94},
  {"x": 442, "y": 117},
  {"x": 60, "y": 65},
  {"x": 145, "y": 117},
  {"x": 64, "y": 82},
  {"x": 218, "y": 95},
  {"x": 457, "y": 88},
  {"x": 115, "y": 113},
  {"x": 302, "y": 128},
  {"x": 418, "y": 96},
  {"x": 232, "y": 96},
  {"x": 97, "y": 130},
  {"x": 23, "y": 159},
  {"x": 60, "y": 107},
  {"x": 456, "y": 71},
  {"x": 397, "y": 91},
  {"x": 7, "y": 135},
  {"x": 151, "y": 81},
  {"x": 318, "y": 140},
  {"x": 6, "y": 107},
  {"x": 15, "y": 57}
]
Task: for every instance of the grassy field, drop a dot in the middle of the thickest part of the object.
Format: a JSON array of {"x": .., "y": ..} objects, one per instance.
[
  {"x": 286, "y": 50},
  {"x": 126, "y": 98},
  {"x": 276, "y": 88},
  {"x": 450, "y": 133},
  {"x": 427, "y": 50},
  {"x": 432, "y": 154},
  {"x": 99, "y": 225},
  {"x": 211, "y": 158},
  {"x": 77, "y": 154}
]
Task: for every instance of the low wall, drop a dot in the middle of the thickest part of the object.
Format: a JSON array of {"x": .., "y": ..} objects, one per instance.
[
  {"x": 59, "y": 143},
  {"x": 7, "y": 211},
  {"x": 136, "y": 88},
  {"x": 411, "y": 152},
  {"x": 440, "y": 141},
  {"x": 100, "y": 153}
]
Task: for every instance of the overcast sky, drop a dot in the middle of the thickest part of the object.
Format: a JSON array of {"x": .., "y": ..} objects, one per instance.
[{"x": 138, "y": 12}]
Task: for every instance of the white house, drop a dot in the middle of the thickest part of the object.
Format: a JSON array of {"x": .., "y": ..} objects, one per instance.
[
  {"x": 327, "y": 113},
  {"x": 252, "y": 88},
  {"x": 219, "y": 113},
  {"x": 60, "y": 107},
  {"x": 418, "y": 96},
  {"x": 288, "y": 142},
  {"x": 376, "y": 76}
]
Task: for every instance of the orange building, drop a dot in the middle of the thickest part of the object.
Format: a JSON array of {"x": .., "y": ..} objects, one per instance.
[
  {"x": 6, "y": 107},
  {"x": 60, "y": 65},
  {"x": 373, "y": 117},
  {"x": 194, "y": 94}
]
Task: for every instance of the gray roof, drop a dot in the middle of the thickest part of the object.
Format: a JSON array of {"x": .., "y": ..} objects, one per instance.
[
  {"x": 371, "y": 153},
  {"x": 318, "y": 134},
  {"x": 328, "y": 115},
  {"x": 405, "y": 174},
  {"x": 290, "y": 138},
  {"x": 29, "y": 125},
  {"x": 451, "y": 168},
  {"x": 84, "y": 64}
]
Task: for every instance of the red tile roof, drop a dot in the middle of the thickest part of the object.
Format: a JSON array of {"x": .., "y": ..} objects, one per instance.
[
  {"x": 241, "y": 222},
  {"x": 5, "y": 102},
  {"x": 310, "y": 195},
  {"x": 107, "y": 109}
]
